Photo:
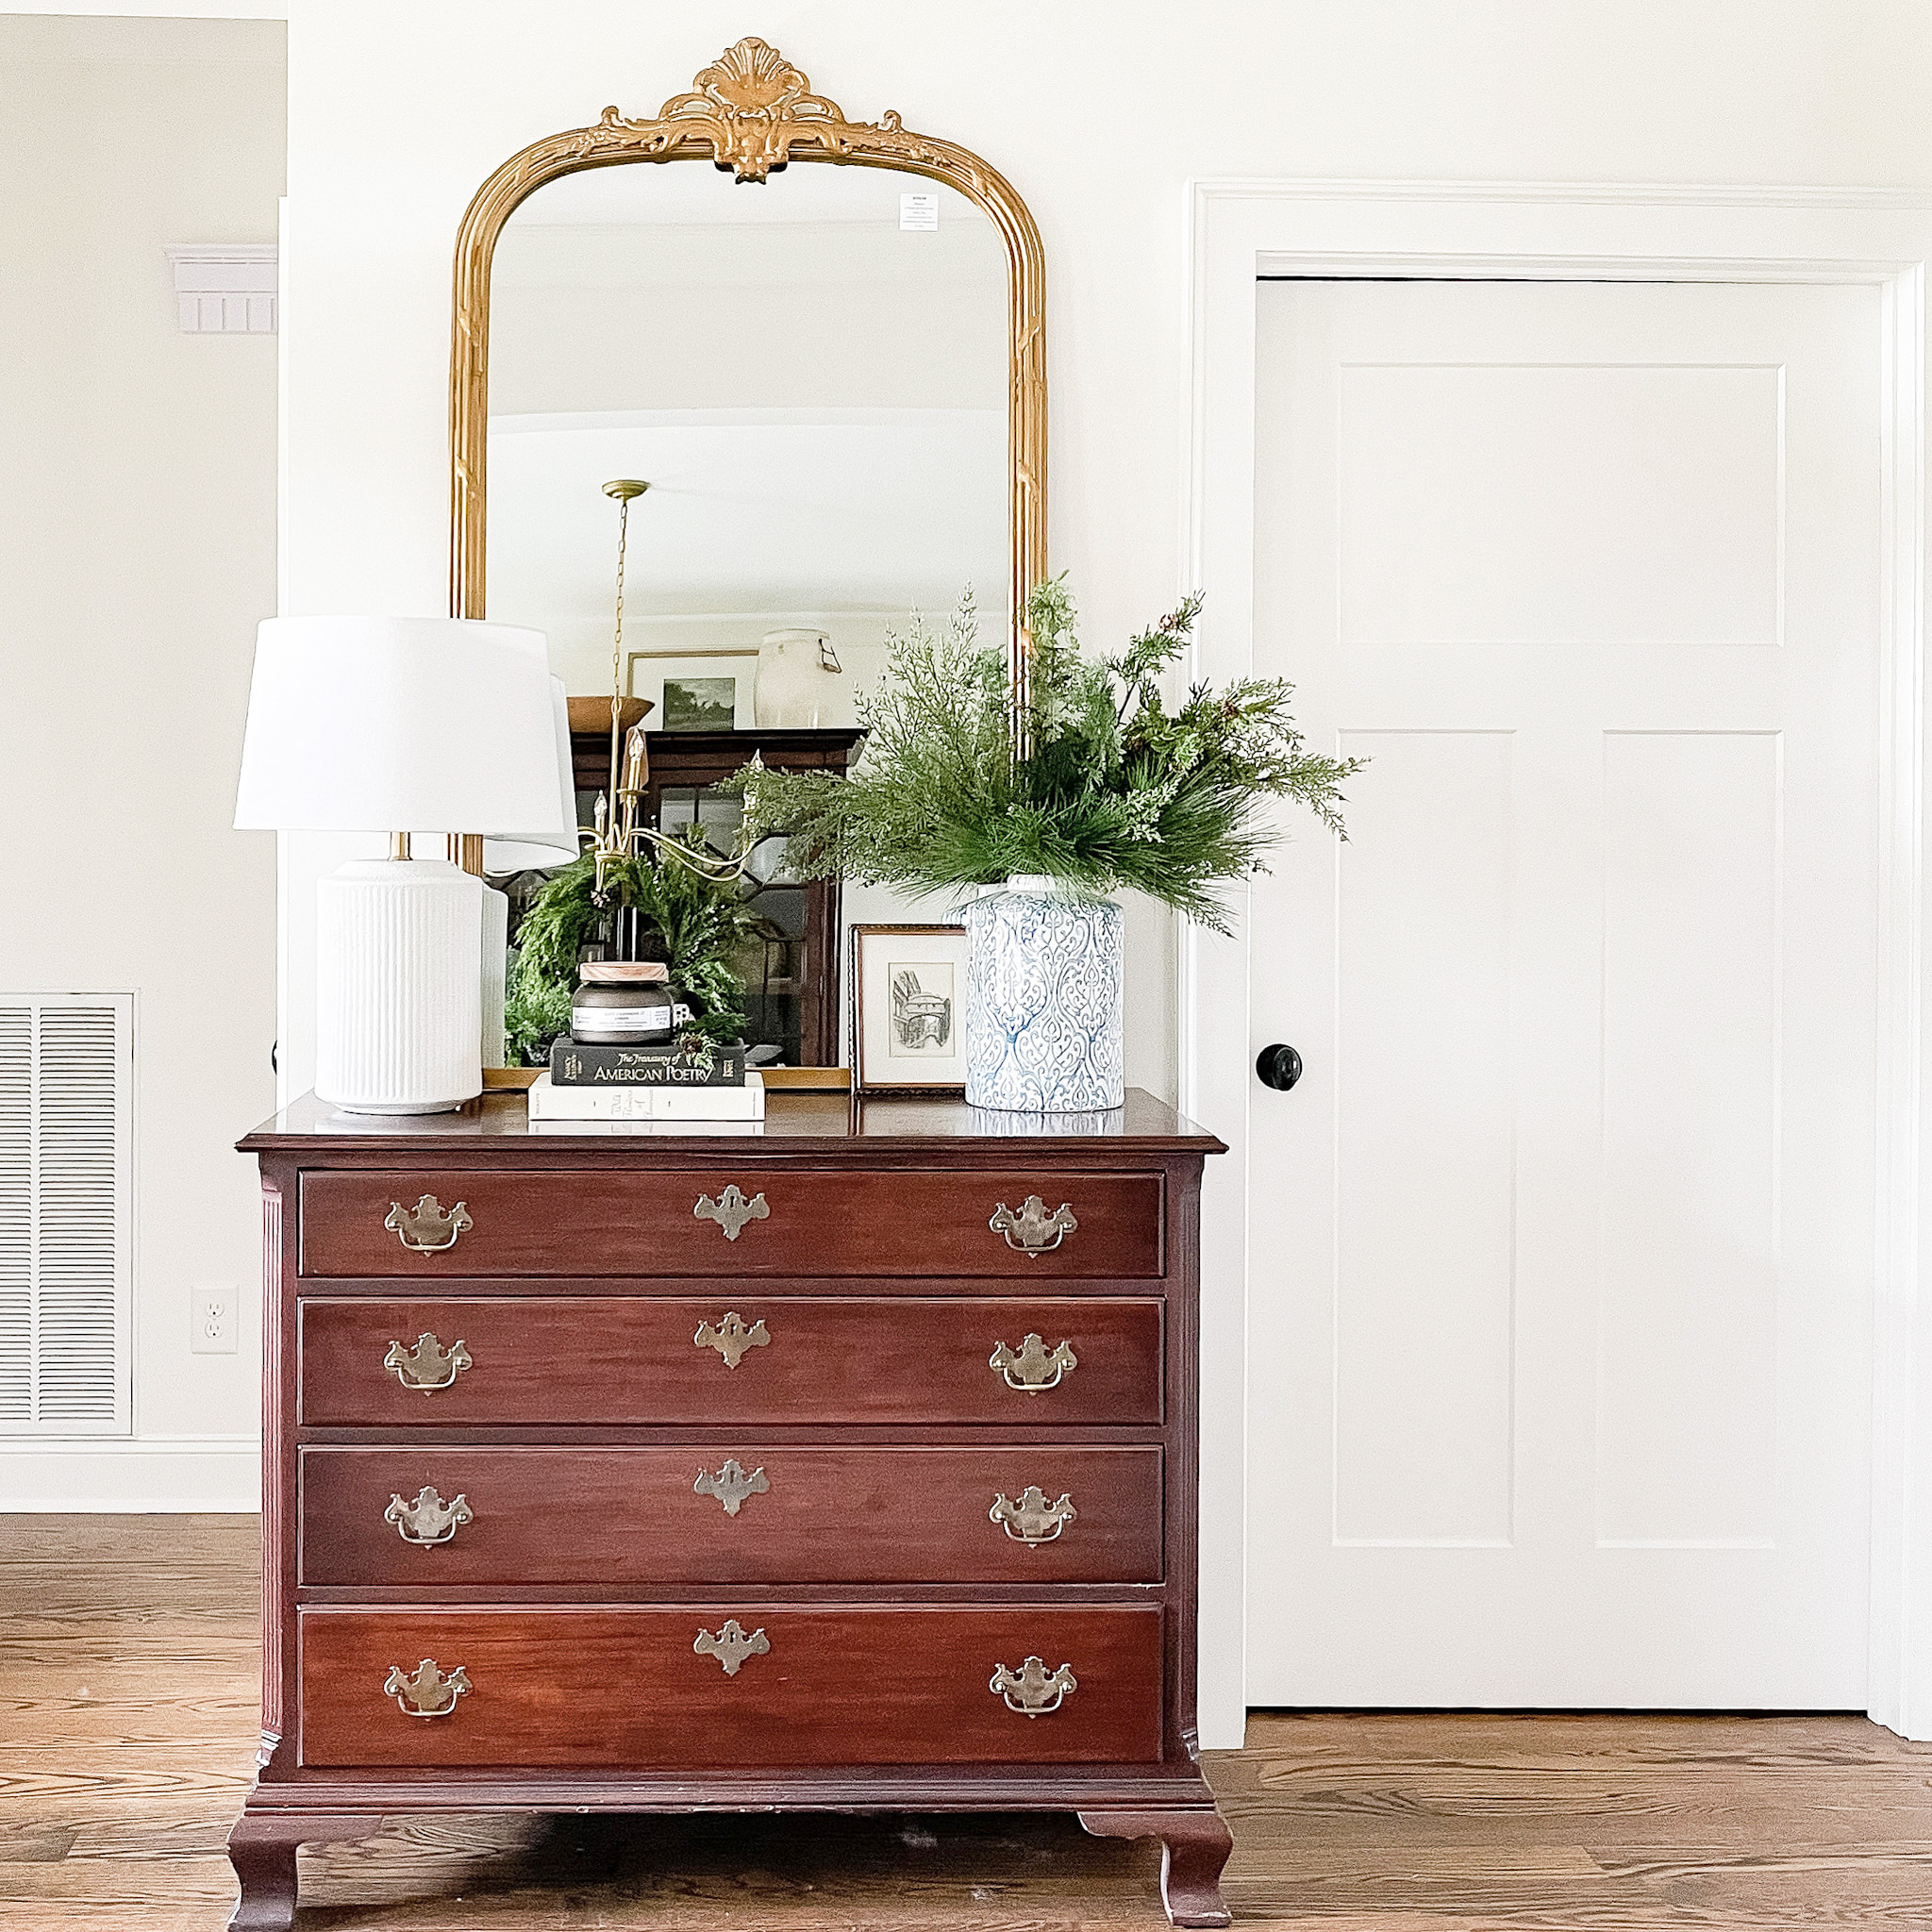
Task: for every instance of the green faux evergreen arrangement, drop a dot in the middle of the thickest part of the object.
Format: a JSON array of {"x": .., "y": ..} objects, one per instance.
[
  {"x": 1113, "y": 791},
  {"x": 702, "y": 921}
]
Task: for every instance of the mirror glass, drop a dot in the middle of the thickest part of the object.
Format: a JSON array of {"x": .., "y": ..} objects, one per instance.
[{"x": 810, "y": 373}]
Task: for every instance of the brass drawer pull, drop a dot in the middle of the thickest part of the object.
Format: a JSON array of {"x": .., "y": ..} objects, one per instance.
[
  {"x": 1032, "y": 1519},
  {"x": 428, "y": 1692},
  {"x": 731, "y": 1210},
  {"x": 1038, "y": 1232},
  {"x": 428, "y": 1366},
  {"x": 731, "y": 1486},
  {"x": 731, "y": 1645},
  {"x": 1033, "y": 1690},
  {"x": 729, "y": 1336},
  {"x": 425, "y": 1230},
  {"x": 429, "y": 1518},
  {"x": 1031, "y": 1368}
]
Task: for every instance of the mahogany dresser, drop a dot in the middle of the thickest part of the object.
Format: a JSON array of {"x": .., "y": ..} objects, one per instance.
[{"x": 846, "y": 1463}]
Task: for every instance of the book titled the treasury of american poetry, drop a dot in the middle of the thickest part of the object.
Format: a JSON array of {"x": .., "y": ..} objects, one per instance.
[{"x": 684, "y": 1063}]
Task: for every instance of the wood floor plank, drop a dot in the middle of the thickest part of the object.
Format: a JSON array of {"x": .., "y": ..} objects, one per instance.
[
  {"x": 69, "y": 1915},
  {"x": 1571, "y": 1742},
  {"x": 35, "y": 1845},
  {"x": 1737, "y": 1815},
  {"x": 111, "y": 1826},
  {"x": 113, "y": 1886}
]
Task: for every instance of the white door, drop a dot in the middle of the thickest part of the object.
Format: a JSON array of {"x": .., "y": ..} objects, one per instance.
[{"x": 1562, "y": 1249}]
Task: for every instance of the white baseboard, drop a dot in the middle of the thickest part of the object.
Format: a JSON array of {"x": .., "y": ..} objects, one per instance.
[{"x": 136, "y": 1475}]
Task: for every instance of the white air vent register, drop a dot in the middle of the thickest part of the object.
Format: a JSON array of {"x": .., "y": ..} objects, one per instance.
[
  {"x": 66, "y": 1179},
  {"x": 226, "y": 287}
]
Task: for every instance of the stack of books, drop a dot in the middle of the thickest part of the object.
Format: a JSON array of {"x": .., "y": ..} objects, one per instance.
[{"x": 684, "y": 1079}]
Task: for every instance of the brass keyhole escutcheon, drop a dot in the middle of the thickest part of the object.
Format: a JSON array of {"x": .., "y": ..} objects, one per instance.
[
  {"x": 732, "y": 1485},
  {"x": 731, "y": 1336},
  {"x": 731, "y": 1210},
  {"x": 732, "y": 1645}
]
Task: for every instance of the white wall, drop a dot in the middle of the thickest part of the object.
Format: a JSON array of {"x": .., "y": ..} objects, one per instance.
[
  {"x": 747, "y": 315},
  {"x": 1099, "y": 115},
  {"x": 138, "y": 503}
]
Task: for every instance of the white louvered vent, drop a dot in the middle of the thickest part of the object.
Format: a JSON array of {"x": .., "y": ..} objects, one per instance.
[
  {"x": 226, "y": 289},
  {"x": 66, "y": 1177}
]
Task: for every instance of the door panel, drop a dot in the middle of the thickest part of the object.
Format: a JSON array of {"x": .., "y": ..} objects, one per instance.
[{"x": 1559, "y": 1305}]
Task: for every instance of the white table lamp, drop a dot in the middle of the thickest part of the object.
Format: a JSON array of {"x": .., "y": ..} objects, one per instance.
[{"x": 368, "y": 725}]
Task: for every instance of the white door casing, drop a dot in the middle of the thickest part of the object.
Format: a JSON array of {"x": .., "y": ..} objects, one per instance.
[
  {"x": 1239, "y": 230},
  {"x": 1559, "y": 1305}
]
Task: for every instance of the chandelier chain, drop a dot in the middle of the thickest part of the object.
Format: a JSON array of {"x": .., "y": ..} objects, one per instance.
[{"x": 617, "y": 635}]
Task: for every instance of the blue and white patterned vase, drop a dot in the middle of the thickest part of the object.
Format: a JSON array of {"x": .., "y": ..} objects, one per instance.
[{"x": 1044, "y": 1026}]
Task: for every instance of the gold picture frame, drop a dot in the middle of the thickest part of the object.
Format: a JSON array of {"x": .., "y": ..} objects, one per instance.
[{"x": 752, "y": 113}]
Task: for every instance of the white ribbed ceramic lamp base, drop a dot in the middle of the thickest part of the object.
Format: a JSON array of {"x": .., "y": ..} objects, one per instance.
[{"x": 398, "y": 987}]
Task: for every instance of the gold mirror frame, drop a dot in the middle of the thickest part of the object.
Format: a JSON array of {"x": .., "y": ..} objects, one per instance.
[{"x": 752, "y": 113}]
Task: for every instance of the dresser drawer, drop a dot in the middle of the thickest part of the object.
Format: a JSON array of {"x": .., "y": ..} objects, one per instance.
[
  {"x": 730, "y": 1512},
  {"x": 610, "y": 1688},
  {"x": 740, "y": 1357},
  {"x": 793, "y": 1223}
]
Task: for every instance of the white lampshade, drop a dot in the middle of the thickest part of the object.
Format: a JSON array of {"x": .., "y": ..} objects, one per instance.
[
  {"x": 386, "y": 724},
  {"x": 543, "y": 848}
]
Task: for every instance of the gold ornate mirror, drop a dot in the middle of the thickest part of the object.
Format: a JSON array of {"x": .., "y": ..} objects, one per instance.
[{"x": 868, "y": 355}]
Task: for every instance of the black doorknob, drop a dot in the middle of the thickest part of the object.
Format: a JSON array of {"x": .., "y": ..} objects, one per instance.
[{"x": 1279, "y": 1067}]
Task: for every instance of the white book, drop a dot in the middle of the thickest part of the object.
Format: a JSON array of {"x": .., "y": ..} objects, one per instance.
[{"x": 746, "y": 1103}]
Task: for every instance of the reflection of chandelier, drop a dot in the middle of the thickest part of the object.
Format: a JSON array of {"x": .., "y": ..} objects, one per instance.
[{"x": 615, "y": 832}]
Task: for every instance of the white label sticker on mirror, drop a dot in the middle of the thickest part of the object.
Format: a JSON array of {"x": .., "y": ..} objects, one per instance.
[{"x": 919, "y": 211}]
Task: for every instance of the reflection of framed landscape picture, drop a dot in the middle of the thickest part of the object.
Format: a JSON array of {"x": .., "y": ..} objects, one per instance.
[
  {"x": 695, "y": 690},
  {"x": 908, "y": 1010}
]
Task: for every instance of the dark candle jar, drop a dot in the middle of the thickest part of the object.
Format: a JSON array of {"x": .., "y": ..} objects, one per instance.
[{"x": 625, "y": 1003}]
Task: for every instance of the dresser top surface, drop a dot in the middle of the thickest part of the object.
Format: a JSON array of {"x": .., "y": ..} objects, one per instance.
[{"x": 799, "y": 1123}]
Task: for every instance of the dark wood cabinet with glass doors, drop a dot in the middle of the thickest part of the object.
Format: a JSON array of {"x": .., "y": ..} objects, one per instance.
[{"x": 791, "y": 969}]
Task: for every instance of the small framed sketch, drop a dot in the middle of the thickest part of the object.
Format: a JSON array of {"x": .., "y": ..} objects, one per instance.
[
  {"x": 908, "y": 1010},
  {"x": 695, "y": 690}
]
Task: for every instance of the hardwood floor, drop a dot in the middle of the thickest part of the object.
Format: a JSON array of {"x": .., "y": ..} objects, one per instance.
[{"x": 127, "y": 1717}]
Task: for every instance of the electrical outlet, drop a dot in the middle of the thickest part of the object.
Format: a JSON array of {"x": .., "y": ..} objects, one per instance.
[{"x": 211, "y": 1326}]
